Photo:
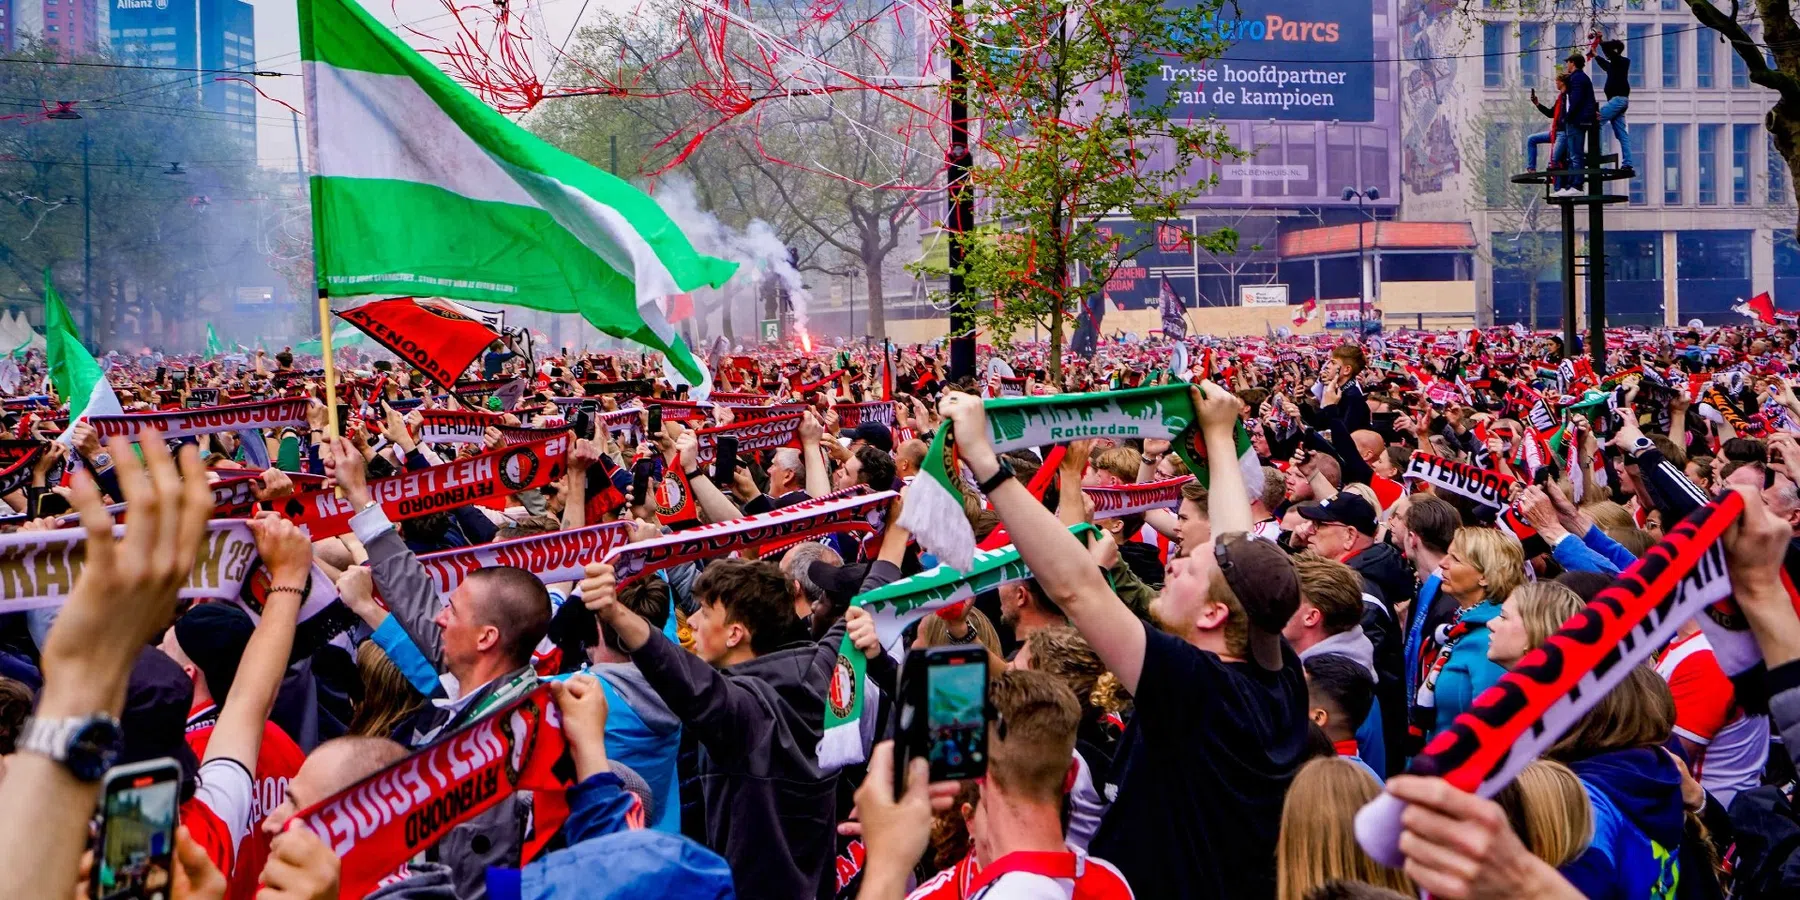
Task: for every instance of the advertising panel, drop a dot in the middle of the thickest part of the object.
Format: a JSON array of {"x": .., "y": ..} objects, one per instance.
[
  {"x": 1296, "y": 60},
  {"x": 1263, "y": 294}
]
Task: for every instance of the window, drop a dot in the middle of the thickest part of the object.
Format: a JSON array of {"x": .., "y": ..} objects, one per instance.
[
  {"x": 1777, "y": 176},
  {"x": 162, "y": 45},
  {"x": 156, "y": 32},
  {"x": 1672, "y": 137},
  {"x": 1671, "y": 4},
  {"x": 1565, "y": 43},
  {"x": 1706, "y": 141},
  {"x": 1531, "y": 56},
  {"x": 1671, "y": 55},
  {"x": 1740, "y": 73},
  {"x": 1741, "y": 136},
  {"x": 1493, "y": 44},
  {"x": 1704, "y": 42},
  {"x": 50, "y": 14},
  {"x": 1637, "y": 41},
  {"x": 1639, "y": 189},
  {"x": 52, "y": 29}
]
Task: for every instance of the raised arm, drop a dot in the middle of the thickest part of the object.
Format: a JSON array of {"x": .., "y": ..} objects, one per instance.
[
  {"x": 818, "y": 477},
  {"x": 287, "y": 554},
  {"x": 408, "y": 591},
  {"x": 712, "y": 501},
  {"x": 123, "y": 598},
  {"x": 1062, "y": 565}
]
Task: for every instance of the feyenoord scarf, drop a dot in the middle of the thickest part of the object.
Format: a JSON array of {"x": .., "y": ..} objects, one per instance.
[
  {"x": 555, "y": 556},
  {"x": 397, "y": 813},
  {"x": 752, "y": 436},
  {"x": 893, "y": 607},
  {"x": 674, "y": 498},
  {"x": 438, "y": 488},
  {"x": 448, "y": 426},
  {"x": 1549, "y": 690},
  {"x": 741, "y": 413},
  {"x": 934, "y": 507},
  {"x": 511, "y": 436},
  {"x": 853, "y": 510},
  {"x": 438, "y": 341},
  {"x": 737, "y": 398},
  {"x": 679, "y": 410},
  {"x": 1484, "y": 486},
  {"x": 851, "y": 415},
  {"x": 810, "y": 387},
  {"x": 38, "y": 569},
  {"x": 1118, "y": 502},
  {"x": 626, "y": 422},
  {"x": 234, "y": 497},
  {"x": 16, "y": 461},
  {"x": 192, "y": 422}
]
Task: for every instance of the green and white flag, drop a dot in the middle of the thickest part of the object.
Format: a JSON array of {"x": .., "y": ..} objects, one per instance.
[
  {"x": 73, "y": 369},
  {"x": 937, "y": 503},
  {"x": 214, "y": 349},
  {"x": 419, "y": 188},
  {"x": 893, "y": 607}
]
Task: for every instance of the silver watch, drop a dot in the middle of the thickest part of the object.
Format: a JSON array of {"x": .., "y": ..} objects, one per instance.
[{"x": 86, "y": 745}]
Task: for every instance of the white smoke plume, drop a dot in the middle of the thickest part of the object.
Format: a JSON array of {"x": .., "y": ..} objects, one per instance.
[{"x": 756, "y": 248}]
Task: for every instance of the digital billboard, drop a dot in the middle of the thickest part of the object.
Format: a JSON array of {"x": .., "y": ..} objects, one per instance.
[{"x": 1295, "y": 60}]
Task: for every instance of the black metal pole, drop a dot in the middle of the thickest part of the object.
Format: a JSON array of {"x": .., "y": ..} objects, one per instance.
[
  {"x": 961, "y": 216},
  {"x": 1568, "y": 278},
  {"x": 1362, "y": 274},
  {"x": 87, "y": 242},
  {"x": 1596, "y": 280}
]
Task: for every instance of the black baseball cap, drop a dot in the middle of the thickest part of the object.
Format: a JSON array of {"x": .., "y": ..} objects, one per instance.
[
  {"x": 1344, "y": 509},
  {"x": 875, "y": 435}
]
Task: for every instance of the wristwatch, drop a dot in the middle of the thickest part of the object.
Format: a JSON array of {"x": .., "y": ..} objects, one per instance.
[
  {"x": 1639, "y": 447},
  {"x": 999, "y": 477},
  {"x": 86, "y": 745}
]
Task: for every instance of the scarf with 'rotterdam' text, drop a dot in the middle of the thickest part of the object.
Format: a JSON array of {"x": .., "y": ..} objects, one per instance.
[
  {"x": 893, "y": 607},
  {"x": 935, "y": 506},
  {"x": 1523, "y": 714}
]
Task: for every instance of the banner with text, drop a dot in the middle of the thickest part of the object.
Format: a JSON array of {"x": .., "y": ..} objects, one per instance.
[{"x": 1298, "y": 60}]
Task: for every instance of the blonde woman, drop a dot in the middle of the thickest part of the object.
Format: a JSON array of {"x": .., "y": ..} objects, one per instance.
[
  {"x": 1318, "y": 841},
  {"x": 1528, "y": 617},
  {"x": 1548, "y": 808},
  {"x": 1481, "y": 569}
]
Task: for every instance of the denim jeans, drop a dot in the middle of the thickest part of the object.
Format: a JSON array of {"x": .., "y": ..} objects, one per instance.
[
  {"x": 1568, "y": 153},
  {"x": 1613, "y": 111},
  {"x": 1531, "y": 145}
]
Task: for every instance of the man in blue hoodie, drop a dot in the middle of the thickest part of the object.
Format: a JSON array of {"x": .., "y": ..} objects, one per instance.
[{"x": 1580, "y": 114}]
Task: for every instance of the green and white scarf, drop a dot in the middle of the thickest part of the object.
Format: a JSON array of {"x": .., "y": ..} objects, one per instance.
[
  {"x": 895, "y": 606},
  {"x": 936, "y": 503}
]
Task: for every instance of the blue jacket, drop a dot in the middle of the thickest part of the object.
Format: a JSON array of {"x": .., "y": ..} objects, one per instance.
[
  {"x": 1468, "y": 671},
  {"x": 605, "y": 859},
  {"x": 1638, "y": 826}
]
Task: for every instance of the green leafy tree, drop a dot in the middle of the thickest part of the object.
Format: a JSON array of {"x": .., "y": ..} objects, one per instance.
[{"x": 1066, "y": 135}]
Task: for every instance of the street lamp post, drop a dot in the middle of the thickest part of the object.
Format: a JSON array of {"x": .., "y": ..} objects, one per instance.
[{"x": 1362, "y": 275}]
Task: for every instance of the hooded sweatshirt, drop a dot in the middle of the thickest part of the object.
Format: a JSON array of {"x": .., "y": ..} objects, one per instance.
[
  {"x": 1638, "y": 825},
  {"x": 768, "y": 807},
  {"x": 1371, "y": 735},
  {"x": 642, "y": 733}
]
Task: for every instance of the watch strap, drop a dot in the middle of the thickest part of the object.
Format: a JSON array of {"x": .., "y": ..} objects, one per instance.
[
  {"x": 49, "y": 737},
  {"x": 1000, "y": 476}
]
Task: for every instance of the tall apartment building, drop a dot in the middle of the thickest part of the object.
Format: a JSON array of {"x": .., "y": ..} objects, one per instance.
[
  {"x": 1710, "y": 216},
  {"x": 69, "y": 25},
  {"x": 214, "y": 37}
]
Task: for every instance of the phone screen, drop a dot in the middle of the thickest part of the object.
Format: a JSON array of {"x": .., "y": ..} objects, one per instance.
[
  {"x": 653, "y": 424},
  {"x": 137, "y": 836},
  {"x": 343, "y": 418},
  {"x": 955, "y": 717}
]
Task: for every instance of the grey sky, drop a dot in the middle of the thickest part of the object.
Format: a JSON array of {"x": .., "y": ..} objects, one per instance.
[{"x": 278, "y": 49}]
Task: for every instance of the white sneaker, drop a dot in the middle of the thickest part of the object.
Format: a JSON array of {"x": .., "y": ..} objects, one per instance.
[{"x": 1567, "y": 192}]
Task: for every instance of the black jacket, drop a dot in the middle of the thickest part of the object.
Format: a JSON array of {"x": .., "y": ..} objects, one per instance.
[
  {"x": 1388, "y": 577},
  {"x": 767, "y": 806},
  {"x": 1618, "y": 74},
  {"x": 1581, "y": 110}
]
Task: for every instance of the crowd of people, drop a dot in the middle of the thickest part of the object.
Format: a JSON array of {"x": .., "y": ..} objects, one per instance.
[{"x": 1192, "y": 698}]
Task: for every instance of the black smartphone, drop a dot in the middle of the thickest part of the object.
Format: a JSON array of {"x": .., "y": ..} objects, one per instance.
[
  {"x": 139, "y": 806},
  {"x": 681, "y": 392},
  {"x": 653, "y": 426},
  {"x": 943, "y": 713},
  {"x": 725, "y": 462},
  {"x": 640, "y": 481},
  {"x": 343, "y": 419},
  {"x": 162, "y": 374},
  {"x": 584, "y": 419}
]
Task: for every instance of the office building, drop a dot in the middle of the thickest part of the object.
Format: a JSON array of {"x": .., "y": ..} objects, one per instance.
[
  {"x": 213, "y": 37},
  {"x": 1710, "y": 216},
  {"x": 71, "y": 26}
]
